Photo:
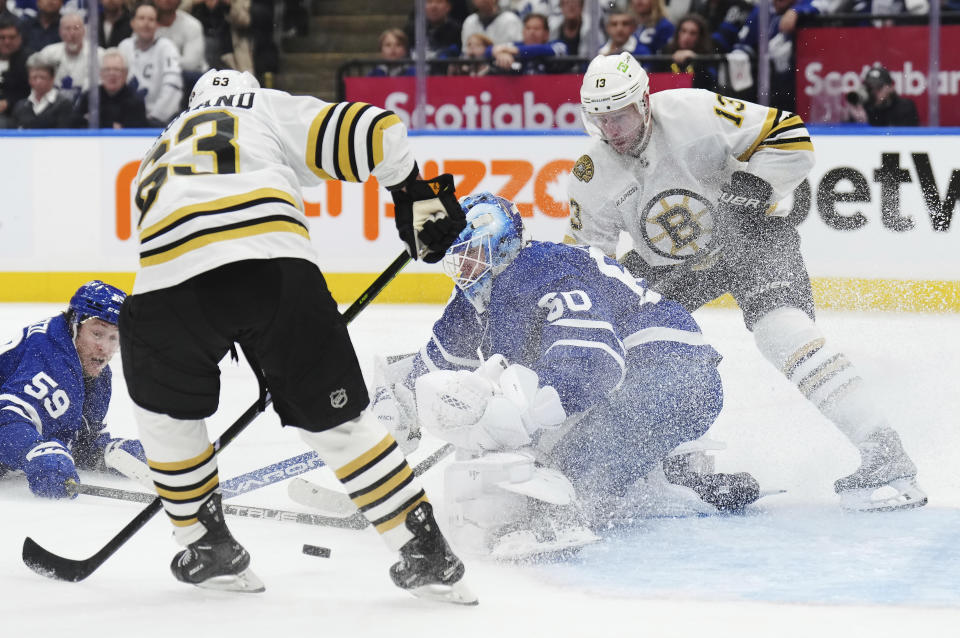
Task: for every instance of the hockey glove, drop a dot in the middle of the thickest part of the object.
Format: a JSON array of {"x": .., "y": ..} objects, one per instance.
[
  {"x": 742, "y": 207},
  {"x": 48, "y": 467},
  {"x": 428, "y": 216}
]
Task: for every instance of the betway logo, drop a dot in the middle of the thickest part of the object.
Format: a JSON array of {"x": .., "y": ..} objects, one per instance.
[
  {"x": 907, "y": 80},
  {"x": 477, "y": 112}
]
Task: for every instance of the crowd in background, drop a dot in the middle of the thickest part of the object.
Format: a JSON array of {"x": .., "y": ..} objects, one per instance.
[
  {"x": 152, "y": 51},
  {"x": 150, "y": 54},
  {"x": 713, "y": 41}
]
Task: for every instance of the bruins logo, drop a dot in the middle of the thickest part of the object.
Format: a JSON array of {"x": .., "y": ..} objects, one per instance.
[
  {"x": 678, "y": 224},
  {"x": 583, "y": 169}
]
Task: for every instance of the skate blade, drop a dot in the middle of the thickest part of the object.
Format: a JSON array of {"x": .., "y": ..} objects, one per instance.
[
  {"x": 457, "y": 594},
  {"x": 906, "y": 494},
  {"x": 245, "y": 582}
]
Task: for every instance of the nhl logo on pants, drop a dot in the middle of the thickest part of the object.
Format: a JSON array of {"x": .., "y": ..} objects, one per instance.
[{"x": 338, "y": 398}]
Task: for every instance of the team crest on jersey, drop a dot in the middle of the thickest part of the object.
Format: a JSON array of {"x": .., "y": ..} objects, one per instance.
[
  {"x": 338, "y": 398},
  {"x": 678, "y": 224},
  {"x": 583, "y": 169}
]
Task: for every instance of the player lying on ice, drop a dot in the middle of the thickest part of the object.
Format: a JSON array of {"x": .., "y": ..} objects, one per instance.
[
  {"x": 587, "y": 385},
  {"x": 695, "y": 179},
  {"x": 56, "y": 382}
]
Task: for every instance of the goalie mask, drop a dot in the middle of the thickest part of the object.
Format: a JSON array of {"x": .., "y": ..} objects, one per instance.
[
  {"x": 218, "y": 82},
  {"x": 615, "y": 103},
  {"x": 96, "y": 300},
  {"x": 492, "y": 239}
]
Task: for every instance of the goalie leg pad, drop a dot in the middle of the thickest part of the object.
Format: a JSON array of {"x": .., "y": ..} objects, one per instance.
[{"x": 502, "y": 505}]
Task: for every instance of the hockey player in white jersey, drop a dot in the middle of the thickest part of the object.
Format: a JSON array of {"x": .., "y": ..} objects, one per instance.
[
  {"x": 694, "y": 178},
  {"x": 226, "y": 257},
  {"x": 571, "y": 416}
]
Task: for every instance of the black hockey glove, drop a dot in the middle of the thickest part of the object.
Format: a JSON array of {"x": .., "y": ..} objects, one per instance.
[
  {"x": 742, "y": 207},
  {"x": 428, "y": 216}
]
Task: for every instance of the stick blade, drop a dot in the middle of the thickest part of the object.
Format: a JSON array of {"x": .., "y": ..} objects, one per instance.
[{"x": 53, "y": 566}]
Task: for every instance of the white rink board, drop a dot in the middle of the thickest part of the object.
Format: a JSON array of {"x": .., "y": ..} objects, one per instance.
[{"x": 61, "y": 195}]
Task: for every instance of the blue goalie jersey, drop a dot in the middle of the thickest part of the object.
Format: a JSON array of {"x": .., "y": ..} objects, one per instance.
[
  {"x": 44, "y": 395},
  {"x": 572, "y": 315}
]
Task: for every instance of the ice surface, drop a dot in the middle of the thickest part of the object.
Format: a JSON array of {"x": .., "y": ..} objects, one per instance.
[{"x": 795, "y": 566}]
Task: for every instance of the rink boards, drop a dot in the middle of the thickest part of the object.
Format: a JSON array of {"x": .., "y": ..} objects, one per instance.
[{"x": 876, "y": 214}]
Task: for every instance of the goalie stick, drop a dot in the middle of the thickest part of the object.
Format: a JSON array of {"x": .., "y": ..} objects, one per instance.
[
  {"x": 243, "y": 511},
  {"x": 334, "y": 503},
  {"x": 51, "y": 565}
]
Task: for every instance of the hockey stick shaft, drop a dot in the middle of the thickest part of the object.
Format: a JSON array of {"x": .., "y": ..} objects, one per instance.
[
  {"x": 244, "y": 511},
  {"x": 48, "y": 564},
  {"x": 274, "y": 473}
]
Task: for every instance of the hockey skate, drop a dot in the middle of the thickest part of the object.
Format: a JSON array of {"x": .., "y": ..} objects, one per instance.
[
  {"x": 886, "y": 479},
  {"x": 427, "y": 567},
  {"x": 726, "y": 492},
  {"x": 217, "y": 560}
]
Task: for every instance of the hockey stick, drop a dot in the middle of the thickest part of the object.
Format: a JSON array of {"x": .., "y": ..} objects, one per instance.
[
  {"x": 334, "y": 503},
  {"x": 72, "y": 570},
  {"x": 279, "y": 471},
  {"x": 245, "y": 511}
]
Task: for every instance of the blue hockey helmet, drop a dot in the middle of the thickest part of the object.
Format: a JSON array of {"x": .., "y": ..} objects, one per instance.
[
  {"x": 491, "y": 240},
  {"x": 96, "y": 299}
]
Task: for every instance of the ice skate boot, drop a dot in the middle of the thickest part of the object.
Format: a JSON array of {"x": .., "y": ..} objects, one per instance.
[
  {"x": 217, "y": 560},
  {"x": 726, "y": 492},
  {"x": 886, "y": 479},
  {"x": 427, "y": 567}
]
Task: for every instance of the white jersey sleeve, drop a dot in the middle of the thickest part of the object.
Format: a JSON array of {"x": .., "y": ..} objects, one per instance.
[
  {"x": 593, "y": 217},
  {"x": 774, "y": 144},
  {"x": 347, "y": 141}
]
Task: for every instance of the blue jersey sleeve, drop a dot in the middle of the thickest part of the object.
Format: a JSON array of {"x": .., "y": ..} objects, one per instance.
[{"x": 453, "y": 341}]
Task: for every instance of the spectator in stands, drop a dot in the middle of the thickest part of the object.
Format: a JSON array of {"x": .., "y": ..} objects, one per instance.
[
  {"x": 44, "y": 28},
  {"x": 531, "y": 54},
  {"x": 393, "y": 46},
  {"x": 443, "y": 33},
  {"x": 185, "y": 31},
  {"x": 45, "y": 107},
  {"x": 692, "y": 38},
  {"x": 654, "y": 29},
  {"x": 154, "y": 66},
  {"x": 620, "y": 33},
  {"x": 266, "y": 55},
  {"x": 71, "y": 56},
  {"x": 782, "y": 28},
  {"x": 878, "y": 103},
  {"x": 214, "y": 18},
  {"x": 572, "y": 27},
  {"x": 724, "y": 19},
  {"x": 523, "y": 8},
  {"x": 477, "y": 48},
  {"x": 114, "y": 23},
  {"x": 120, "y": 106},
  {"x": 14, "y": 83},
  {"x": 500, "y": 26}
]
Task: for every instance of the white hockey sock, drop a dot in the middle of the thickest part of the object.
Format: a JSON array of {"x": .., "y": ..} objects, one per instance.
[
  {"x": 374, "y": 471},
  {"x": 791, "y": 341},
  {"x": 183, "y": 467}
]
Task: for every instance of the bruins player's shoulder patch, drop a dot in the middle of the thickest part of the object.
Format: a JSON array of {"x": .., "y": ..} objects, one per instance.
[{"x": 583, "y": 169}]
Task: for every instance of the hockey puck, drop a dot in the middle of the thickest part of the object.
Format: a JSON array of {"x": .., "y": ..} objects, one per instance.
[{"x": 314, "y": 550}]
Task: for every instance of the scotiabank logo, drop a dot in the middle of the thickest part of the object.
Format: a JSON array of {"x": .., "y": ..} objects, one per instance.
[
  {"x": 478, "y": 112},
  {"x": 511, "y": 175},
  {"x": 907, "y": 79}
]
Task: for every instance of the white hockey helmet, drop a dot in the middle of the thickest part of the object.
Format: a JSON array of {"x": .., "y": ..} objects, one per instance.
[
  {"x": 615, "y": 102},
  {"x": 217, "y": 82}
]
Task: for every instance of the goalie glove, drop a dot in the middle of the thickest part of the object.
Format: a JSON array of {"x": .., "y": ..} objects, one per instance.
[
  {"x": 475, "y": 413},
  {"x": 428, "y": 215}
]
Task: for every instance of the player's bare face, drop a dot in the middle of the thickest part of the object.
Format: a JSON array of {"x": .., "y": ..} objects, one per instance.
[
  {"x": 144, "y": 23},
  {"x": 621, "y": 129},
  {"x": 97, "y": 341}
]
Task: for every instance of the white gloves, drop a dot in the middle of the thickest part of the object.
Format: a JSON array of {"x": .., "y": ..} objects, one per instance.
[{"x": 496, "y": 407}]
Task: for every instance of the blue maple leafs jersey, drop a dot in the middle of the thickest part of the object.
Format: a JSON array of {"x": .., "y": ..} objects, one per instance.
[
  {"x": 43, "y": 393},
  {"x": 569, "y": 313}
]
